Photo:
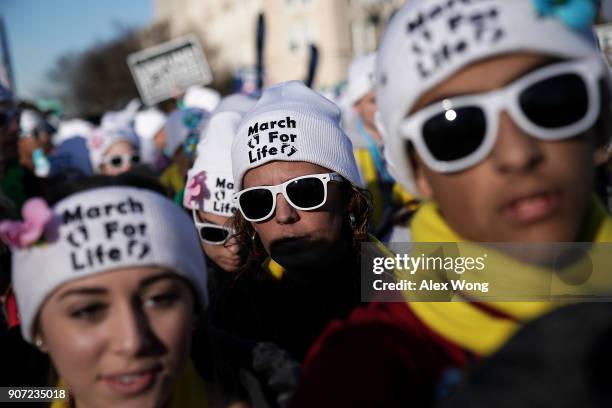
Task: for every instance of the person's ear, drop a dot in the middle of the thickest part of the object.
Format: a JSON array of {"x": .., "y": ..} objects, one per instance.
[
  {"x": 602, "y": 155},
  {"x": 40, "y": 343},
  {"x": 418, "y": 170}
]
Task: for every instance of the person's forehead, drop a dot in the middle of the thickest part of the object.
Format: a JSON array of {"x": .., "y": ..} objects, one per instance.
[
  {"x": 121, "y": 279},
  {"x": 120, "y": 146},
  {"x": 205, "y": 216},
  {"x": 279, "y": 171}
]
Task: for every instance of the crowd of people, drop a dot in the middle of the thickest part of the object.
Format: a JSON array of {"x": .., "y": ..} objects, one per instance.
[{"x": 209, "y": 251}]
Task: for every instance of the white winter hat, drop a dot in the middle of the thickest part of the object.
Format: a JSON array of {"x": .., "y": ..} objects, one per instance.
[
  {"x": 428, "y": 41},
  {"x": 201, "y": 97},
  {"x": 122, "y": 118},
  {"x": 291, "y": 122},
  {"x": 103, "y": 138},
  {"x": 29, "y": 121},
  {"x": 148, "y": 123},
  {"x": 210, "y": 183},
  {"x": 361, "y": 78},
  {"x": 100, "y": 230}
]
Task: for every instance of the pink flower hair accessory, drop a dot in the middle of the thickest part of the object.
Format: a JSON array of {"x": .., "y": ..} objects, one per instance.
[
  {"x": 22, "y": 234},
  {"x": 196, "y": 190}
]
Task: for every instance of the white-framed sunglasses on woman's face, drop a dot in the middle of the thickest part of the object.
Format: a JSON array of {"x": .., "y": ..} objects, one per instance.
[
  {"x": 556, "y": 102},
  {"x": 302, "y": 193},
  {"x": 120, "y": 160},
  {"x": 210, "y": 233}
]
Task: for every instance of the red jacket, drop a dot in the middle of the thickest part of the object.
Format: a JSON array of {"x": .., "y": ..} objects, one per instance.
[{"x": 383, "y": 355}]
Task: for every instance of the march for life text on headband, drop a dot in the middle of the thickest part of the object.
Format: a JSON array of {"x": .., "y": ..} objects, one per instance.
[
  {"x": 119, "y": 225},
  {"x": 486, "y": 272}
]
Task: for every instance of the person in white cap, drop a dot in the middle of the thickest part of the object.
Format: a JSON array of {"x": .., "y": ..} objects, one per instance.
[
  {"x": 147, "y": 124},
  {"x": 210, "y": 185},
  {"x": 115, "y": 305},
  {"x": 114, "y": 150},
  {"x": 296, "y": 181},
  {"x": 114, "y": 146},
  {"x": 390, "y": 202},
  {"x": 492, "y": 111},
  {"x": 35, "y": 144}
]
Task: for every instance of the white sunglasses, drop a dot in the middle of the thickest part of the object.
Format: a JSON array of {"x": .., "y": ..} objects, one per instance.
[
  {"x": 210, "y": 233},
  {"x": 119, "y": 160},
  {"x": 302, "y": 193},
  {"x": 555, "y": 102}
]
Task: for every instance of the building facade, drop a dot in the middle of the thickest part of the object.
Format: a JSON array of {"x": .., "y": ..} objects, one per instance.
[{"x": 340, "y": 29}]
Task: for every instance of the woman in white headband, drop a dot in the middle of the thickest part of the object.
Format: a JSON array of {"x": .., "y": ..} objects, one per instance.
[{"x": 111, "y": 283}]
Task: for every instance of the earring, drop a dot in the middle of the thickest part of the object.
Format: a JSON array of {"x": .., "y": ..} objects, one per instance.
[
  {"x": 254, "y": 236},
  {"x": 38, "y": 342},
  {"x": 352, "y": 220}
]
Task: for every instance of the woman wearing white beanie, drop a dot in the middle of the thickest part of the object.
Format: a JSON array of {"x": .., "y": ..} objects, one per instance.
[
  {"x": 210, "y": 185},
  {"x": 110, "y": 282},
  {"x": 113, "y": 150},
  {"x": 296, "y": 182}
]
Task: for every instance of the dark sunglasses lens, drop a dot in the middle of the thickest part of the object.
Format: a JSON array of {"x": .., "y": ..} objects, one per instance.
[
  {"x": 556, "y": 102},
  {"x": 135, "y": 159},
  {"x": 214, "y": 234},
  {"x": 4, "y": 119},
  {"x": 256, "y": 204},
  {"x": 306, "y": 192},
  {"x": 116, "y": 161},
  {"x": 456, "y": 133}
]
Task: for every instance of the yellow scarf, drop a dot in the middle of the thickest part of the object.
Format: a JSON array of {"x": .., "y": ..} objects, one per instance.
[
  {"x": 465, "y": 323},
  {"x": 189, "y": 392}
]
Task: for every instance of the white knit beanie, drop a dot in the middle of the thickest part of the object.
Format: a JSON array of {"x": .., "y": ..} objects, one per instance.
[
  {"x": 428, "y": 41},
  {"x": 201, "y": 97},
  {"x": 29, "y": 121},
  {"x": 210, "y": 183},
  {"x": 148, "y": 123},
  {"x": 291, "y": 122},
  {"x": 100, "y": 230},
  {"x": 123, "y": 118},
  {"x": 361, "y": 78}
]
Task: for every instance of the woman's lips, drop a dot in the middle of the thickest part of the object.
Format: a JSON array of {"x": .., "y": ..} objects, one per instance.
[
  {"x": 134, "y": 383},
  {"x": 533, "y": 207}
]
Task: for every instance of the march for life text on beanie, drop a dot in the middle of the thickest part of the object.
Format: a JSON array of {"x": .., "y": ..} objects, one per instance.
[
  {"x": 428, "y": 41},
  {"x": 291, "y": 122},
  {"x": 104, "y": 229}
]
